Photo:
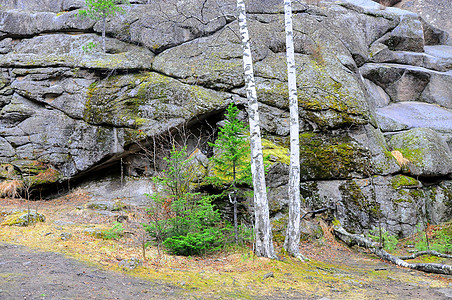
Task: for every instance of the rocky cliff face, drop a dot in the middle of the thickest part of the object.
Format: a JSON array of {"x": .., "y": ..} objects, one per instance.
[
  {"x": 435, "y": 12},
  {"x": 374, "y": 85}
]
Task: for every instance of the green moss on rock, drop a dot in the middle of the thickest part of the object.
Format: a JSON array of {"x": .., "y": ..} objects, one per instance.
[
  {"x": 7, "y": 171},
  {"x": 24, "y": 218},
  {"x": 274, "y": 152},
  {"x": 325, "y": 157},
  {"x": 402, "y": 181},
  {"x": 427, "y": 151},
  {"x": 360, "y": 208},
  {"x": 108, "y": 102},
  {"x": 31, "y": 172},
  {"x": 413, "y": 155},
  {"x": 352, "y": 193},
  {"x": 279, "y": 229},
  {"x": 136, "y": 101},
  {"x": 94, "y": 232}
]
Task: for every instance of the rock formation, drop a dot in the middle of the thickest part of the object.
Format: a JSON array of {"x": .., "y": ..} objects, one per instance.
[
  {"x": 388, "y": 2},
  {"x": 374, "y": 84},
  {"x": 435, "y": 12}
]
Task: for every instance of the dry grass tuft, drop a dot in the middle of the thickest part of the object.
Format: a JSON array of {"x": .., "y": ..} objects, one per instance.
[
  {"x": 11, "y": 188},
  {"x": 7, "y": 169},
  {"x": 399, "y": 157},
  {"x": 328, "y": 233}
]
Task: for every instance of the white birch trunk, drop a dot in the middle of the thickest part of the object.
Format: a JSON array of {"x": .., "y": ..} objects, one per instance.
[
  {"x": 264, "y": 243},
  {"x": 292, "y": 241},
  {"x": 104, "y": 25}
]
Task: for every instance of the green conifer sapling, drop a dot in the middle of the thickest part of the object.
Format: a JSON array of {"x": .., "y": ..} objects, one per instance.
[{"x": 232, "y": 163}]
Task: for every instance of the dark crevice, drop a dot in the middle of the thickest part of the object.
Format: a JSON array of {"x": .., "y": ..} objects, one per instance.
[
  {"x": 59, "y": 66},
  {"x": 49, "y": 32},
  {"x": 202, "y": 128},
  {"x": 431, "y": 181},
  {"x": 397, "y": 65},
  {"x": 390, "y": 29},
  {"x": 205, "y": 85}
]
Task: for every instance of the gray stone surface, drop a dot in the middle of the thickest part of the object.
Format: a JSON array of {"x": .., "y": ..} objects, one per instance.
[
  {"x": 406, "y": 115},
  {"x": 397, "y": 202},
  {"x": 440, "y": 208},
  {"x": 436, "y": 12},
  {"x": 130, "y": 264},
  {"x": 110, "y": 190},
  {"x": 65, "y": 50},
  {"x": 363, "y": 71}
]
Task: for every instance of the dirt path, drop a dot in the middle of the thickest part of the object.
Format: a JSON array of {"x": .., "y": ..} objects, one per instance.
[
  {"x": 26, "y": 274},
  {"x": 37, "y": 270},
  {"x": 31, "y": 274}
]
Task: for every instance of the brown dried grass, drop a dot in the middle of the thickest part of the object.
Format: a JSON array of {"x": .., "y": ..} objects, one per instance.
[
  {"x": 328, "y": 233},
  {"x": 11, "y": 188},
  {"x": 402, "y": 161}
]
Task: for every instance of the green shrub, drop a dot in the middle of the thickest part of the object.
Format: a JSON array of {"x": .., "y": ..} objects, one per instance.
[
  {"x": 184, "y": 222},
  {"x": 440, "y": 241},
  {"x": 114, "y": 233},
  {"x": 195, "y": 243},
  {"x": 389, "y": 242},
  {"x": 89, "y": 48}
]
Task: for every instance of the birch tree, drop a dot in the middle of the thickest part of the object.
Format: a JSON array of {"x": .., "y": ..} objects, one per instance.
[
  {"x": 292, "y": 240},
  {"x": 264, "y": 243}
]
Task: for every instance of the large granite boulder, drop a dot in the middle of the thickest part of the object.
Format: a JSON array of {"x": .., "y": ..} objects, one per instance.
[
  {"x": 428, "y": 153},
  {"x": 398, "y": 203},
  {"x": 407, "y": 115},
  {"x": 435, "y": 12},
  {"x": 370, "y": 81},
  {"x": 408, "y": 83}
]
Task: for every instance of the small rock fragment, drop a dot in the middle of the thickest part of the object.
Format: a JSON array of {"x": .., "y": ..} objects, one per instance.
[
  {"x": 95, "y": 232},
  {"x": 268, "y": 275},
  {"x": 130, "y": 264},
  {"x": 65, "y": 236}
]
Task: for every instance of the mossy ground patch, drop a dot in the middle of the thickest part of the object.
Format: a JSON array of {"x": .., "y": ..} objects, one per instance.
[{"x": 334, "y": 271}]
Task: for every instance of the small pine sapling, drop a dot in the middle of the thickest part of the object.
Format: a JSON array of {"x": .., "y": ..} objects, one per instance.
[
  {"x": 182, "y": 221},
  {"x": 387, "y": 241},
  {"x": 232, "y": 163},
  {"x": 114, "y": 233},
  {"x": 159, "y": 213},
  {"x": 100, "y": 10}
]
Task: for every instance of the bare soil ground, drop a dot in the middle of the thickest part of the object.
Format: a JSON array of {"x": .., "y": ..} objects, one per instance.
[
  {"x": 31, "y": 274},
  {"x": 36, "y": 263}
]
